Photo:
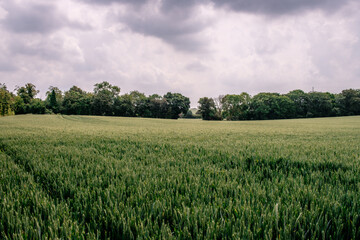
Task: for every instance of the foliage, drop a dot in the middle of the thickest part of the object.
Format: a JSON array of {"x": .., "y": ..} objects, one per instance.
[
  {"x": 189, "y": 114},
  {"x": 123, "y": 106},
  {"x": 107, "y": 101},
  {"x": 156, "y": 106},
  {"x": 6, "y": 101},
  {"x": 207, "y": 109},
  {"x": 350, "y": 102},
  {"x": 175, "y": 104},
  {"x": 77, "y": 101},
  {"x": 272, "y": 106},
  {"x": 139, "y": 103},
  {"x": 300, "y": 99},
  {"x": 54, "y": 98},
  {"x": 27, "y": 93},
  {"x": 236, "y": 107},
  {"x": 104, "y": 98},
  {"x": 19, "y": 106},
  {"x": 37, "y": 106},
  {"x": 82, "y": 177},
  {"x": 295, "y": 104},
  {"x": 318, "y": 105}
]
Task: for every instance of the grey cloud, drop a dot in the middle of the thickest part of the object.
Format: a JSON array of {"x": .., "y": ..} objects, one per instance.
[
  {"x": 177, "y": 28},
  {"x": 196, "y": 67},
  {"x": 171, "y": 5},
  {"x": 166, "y": 5},
  {"x": 264, "y": 7},
  {"x": 174, "y": 21},
  {"x": 267, "y": 7},
  {"x": 45, "y": 49},
  {"x": 106, "y": 2},
  {"x": 37, "y": 18},
  {"x": 279, "y": 7},
  {"x": 6, "y": 60},
  {"x": 6, "y": 66}
]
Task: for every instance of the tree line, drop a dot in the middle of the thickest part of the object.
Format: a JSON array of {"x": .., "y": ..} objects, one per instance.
[
  {"x": 295, "y": 104},
  {"x": 105, "y": 100}
]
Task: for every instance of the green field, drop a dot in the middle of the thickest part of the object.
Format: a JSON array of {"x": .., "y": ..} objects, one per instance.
[{"x": 125, "y": 178}]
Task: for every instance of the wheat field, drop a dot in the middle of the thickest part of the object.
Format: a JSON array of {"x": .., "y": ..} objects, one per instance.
[{"x": 86, "y": 177}]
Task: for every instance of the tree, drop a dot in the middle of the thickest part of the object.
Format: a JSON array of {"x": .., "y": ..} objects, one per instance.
[
  {"x": 157, "y": 106},
  {"x": 207, "y": 109},
  {"x": 24, "y": 102},
  {"x": 104, "y": 98},
  {"x": 284, "y": 107},
  {"x": 54, "y": 99},
  {"x": 19, "y": 106},
  {"x": 319, "y": 104},
  {"x": 189, "y": 114},
  {"x": 27, "y": 93},
  {"x": 175, "y": 104},
  {"x": 349, "y": 101},
  {"x": 37, "y": 106},
  {"x": 77, "y": 101},
  {"x": 300, "y": 99},
  {"x": 219, "y": 105},
  {"x": 272, "y": 106},
  {"x": 6, "y": 101},
  {"x": 123, "y": 106},
  {"x": 139, "y": 102},
  {"x": 236, "y": 107}
]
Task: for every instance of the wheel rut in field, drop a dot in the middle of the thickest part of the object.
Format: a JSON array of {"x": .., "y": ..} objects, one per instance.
[
  {"x": 38, "y": 202},
  {"x": 50, "y": 188}
]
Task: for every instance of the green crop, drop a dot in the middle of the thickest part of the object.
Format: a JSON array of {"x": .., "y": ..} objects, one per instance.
[{"x": 84, "y": 177}]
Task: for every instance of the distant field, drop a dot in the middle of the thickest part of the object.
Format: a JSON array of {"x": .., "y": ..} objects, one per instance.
[{"x": 125, "y": 178}]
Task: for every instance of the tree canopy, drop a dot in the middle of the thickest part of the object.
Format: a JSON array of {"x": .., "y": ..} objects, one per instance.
[
  {"x": 105, "y": 100},
  {"x": 295, "y": 104}
]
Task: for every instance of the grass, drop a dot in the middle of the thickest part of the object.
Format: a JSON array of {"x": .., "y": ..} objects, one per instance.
[{"x": 125, "y": 178}]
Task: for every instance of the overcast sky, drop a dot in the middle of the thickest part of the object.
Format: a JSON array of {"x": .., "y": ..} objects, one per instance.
[{"x": 195, "y": 47}]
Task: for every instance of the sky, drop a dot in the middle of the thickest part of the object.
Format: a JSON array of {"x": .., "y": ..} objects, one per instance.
[{"x": 195, "y": 47}]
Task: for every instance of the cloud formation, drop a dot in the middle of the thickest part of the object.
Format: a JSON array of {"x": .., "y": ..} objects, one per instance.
[
  {"x": 37, "y": 18},
  {"x": 179, "y": 23},
  {"x": 196, "y": 47},
  {"x": 175, "y": 27},
  {"x": 279, "y": 7}
]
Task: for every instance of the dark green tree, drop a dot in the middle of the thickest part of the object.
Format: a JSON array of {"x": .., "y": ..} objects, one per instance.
[
  {"x": 236, "y": 107},
  {"x": 319, "y": 104},
  {"x": 77, "y": 101},
  {"x": 19, "y": 106},
  {"x": 272, "y": 106},
  {"x": 349, "y": 102},
  {"x": 207, "y": 109},
  {"x": 123, "y": 106},
  {"x": 37, "y": 106},
  {"x": 189, "y": 115},
  {"x": 54, "y": 99},
  {"x": 157, "y": 106},
  {"x": 175, "y": 104},
  {"x": 104, "y": 98},
  {"x": 6, "y": 101},
  {"x": 140, "y": 103},
  {"x": 27, "y": 93},
  {"x": 300, "y": 99}
]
